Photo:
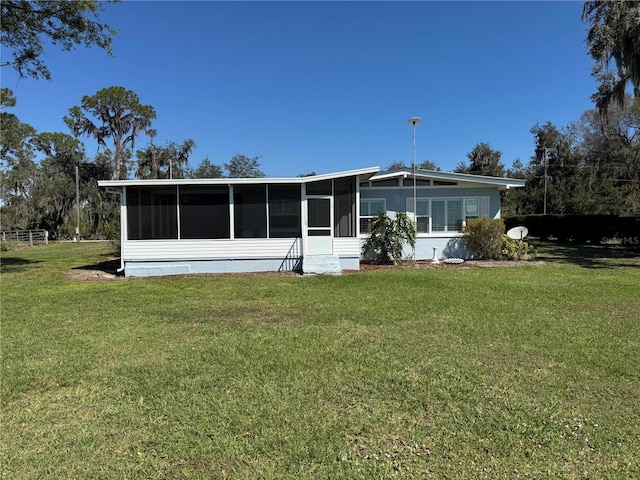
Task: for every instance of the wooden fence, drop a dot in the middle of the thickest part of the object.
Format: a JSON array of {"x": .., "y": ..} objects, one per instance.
[{"x": 31, "y": 236}]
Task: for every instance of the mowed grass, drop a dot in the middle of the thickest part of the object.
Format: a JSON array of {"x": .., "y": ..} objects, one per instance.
[{"x": 529, "y": 372}]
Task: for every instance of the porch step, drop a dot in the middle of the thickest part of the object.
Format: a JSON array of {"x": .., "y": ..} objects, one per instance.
[{"x": 321, "y": 265}]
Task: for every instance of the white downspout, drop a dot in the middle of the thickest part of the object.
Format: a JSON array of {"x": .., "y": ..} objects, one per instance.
[{"x": 123, "y": 222}]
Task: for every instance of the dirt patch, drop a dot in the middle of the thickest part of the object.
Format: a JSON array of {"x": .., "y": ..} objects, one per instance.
[
  {"x": 107, "y": 270},
  {"x": 498, "y": 263}
]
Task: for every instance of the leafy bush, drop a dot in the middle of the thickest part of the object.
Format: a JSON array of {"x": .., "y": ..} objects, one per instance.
[
  {"x": 10, "y": 246},
  {"x": 388, "y": 236},
  {"x": 513, "y": 249},
  {"x": 111, "y": 231},
  {"x": 483, "y": 237}
]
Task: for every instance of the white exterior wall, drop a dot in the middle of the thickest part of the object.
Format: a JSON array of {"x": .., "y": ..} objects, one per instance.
[
  {"x": 175, "y": 257},
  {"x": 348, "y": 249},
  {"x": 228, "y": 249},
  {"x": 143, "y": 258},
  {"x": 447, "y": 244},
  {"x": 162, "y": 257}
]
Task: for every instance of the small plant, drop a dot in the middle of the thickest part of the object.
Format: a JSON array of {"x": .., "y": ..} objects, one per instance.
[
  {"x": 483, "y": 237},
  {"x": 10, "y": 246},
  {"x": 111, "y": 231},
  {"x": 387, "y": 238},
  {"x": 513, "y": 249}
]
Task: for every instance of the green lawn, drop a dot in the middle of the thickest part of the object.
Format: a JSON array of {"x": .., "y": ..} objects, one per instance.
[{"x": 466, "y": 373}]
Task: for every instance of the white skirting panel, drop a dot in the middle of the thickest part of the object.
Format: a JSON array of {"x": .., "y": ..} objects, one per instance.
[{"x": 161, "y": 268}]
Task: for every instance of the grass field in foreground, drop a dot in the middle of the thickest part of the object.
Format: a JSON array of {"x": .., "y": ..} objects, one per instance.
[{"x": 529, "y": 372}]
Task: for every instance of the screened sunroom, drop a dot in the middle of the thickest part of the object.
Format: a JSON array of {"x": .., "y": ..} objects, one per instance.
[{"x": 226, "y": 225}]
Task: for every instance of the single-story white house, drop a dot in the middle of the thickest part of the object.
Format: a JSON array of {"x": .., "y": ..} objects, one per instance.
[{"x": 316, "y": 224}]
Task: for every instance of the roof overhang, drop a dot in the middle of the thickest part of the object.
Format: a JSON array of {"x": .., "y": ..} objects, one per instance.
[
  {"x": 501, "y": 183},
  {"x": 364, "y": 175}
]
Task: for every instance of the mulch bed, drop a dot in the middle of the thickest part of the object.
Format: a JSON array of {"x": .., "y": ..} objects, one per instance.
[{"x": 466, "y": 264}]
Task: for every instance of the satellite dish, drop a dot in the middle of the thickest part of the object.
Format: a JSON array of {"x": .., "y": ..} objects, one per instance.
[{"x": 518, "y": 233}]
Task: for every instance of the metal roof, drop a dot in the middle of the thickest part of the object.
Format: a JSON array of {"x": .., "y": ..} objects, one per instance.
[
  {"x": 450, "y": 177},
  {"x": 367, "y": 172},
  {"x": 371, "y": 174}
]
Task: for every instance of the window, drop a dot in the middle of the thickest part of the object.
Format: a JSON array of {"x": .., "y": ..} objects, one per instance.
[
  {"x": 324, "y": 187},
  {"x": 408, "y": 182},
  {"x": 446, "y": 215},
  {"x": 319, "y": 216},
  {"x": 441, "y": 183},
  {"x": 422, "y": 215},
  {"x": 369, "y": 208},
  {"x": 344, "y": 207},
  {"x": 250, "y": 211},
  {"x": 485, "y": 210},
  {"x": 204, "y": 212},
  {"x": 284, "y": 211},
  {"x": 390, "y": 182},
  {"x": 152, "y": 213},
  {"x": 471, "y": 208}
]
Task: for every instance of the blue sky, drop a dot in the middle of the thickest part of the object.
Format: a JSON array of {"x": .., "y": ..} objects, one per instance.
[{"x": 328, "y": 86}]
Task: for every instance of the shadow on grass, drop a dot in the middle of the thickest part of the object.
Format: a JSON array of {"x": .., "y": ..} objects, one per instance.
[
  {"x": 14, "y": 265},
  {"x": 589, "y": 256},
  {"x": 110, "y": 267}
]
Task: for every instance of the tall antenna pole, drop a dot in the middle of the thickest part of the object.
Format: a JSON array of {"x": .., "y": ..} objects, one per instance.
[{"x": 414, "y": 121}]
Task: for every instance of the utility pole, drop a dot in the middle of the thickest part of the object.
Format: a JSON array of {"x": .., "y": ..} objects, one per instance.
[{"x": 77, "y": 203}]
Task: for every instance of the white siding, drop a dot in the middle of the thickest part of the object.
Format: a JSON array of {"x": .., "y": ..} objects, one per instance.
[
  {"x": 245, "y": 248},
  {"x": 346, "y": 246}
]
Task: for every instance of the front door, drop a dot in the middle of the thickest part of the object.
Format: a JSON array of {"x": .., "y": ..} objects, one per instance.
[{"x": 319, "y": 225}]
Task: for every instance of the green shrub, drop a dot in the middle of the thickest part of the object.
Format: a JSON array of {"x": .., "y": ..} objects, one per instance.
[
  {"x": 11, "y": 246},
  {"x": 111, "y": 231},
  {"x": 387, "y": 238},
  {"x": 515, "y": 249},
  {"x": 483, "y": 237}
]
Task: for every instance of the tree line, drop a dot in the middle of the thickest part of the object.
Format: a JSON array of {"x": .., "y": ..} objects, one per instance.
[
  {"x": 590, "y": 166},
  {"x": 38, "y": 178}
]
